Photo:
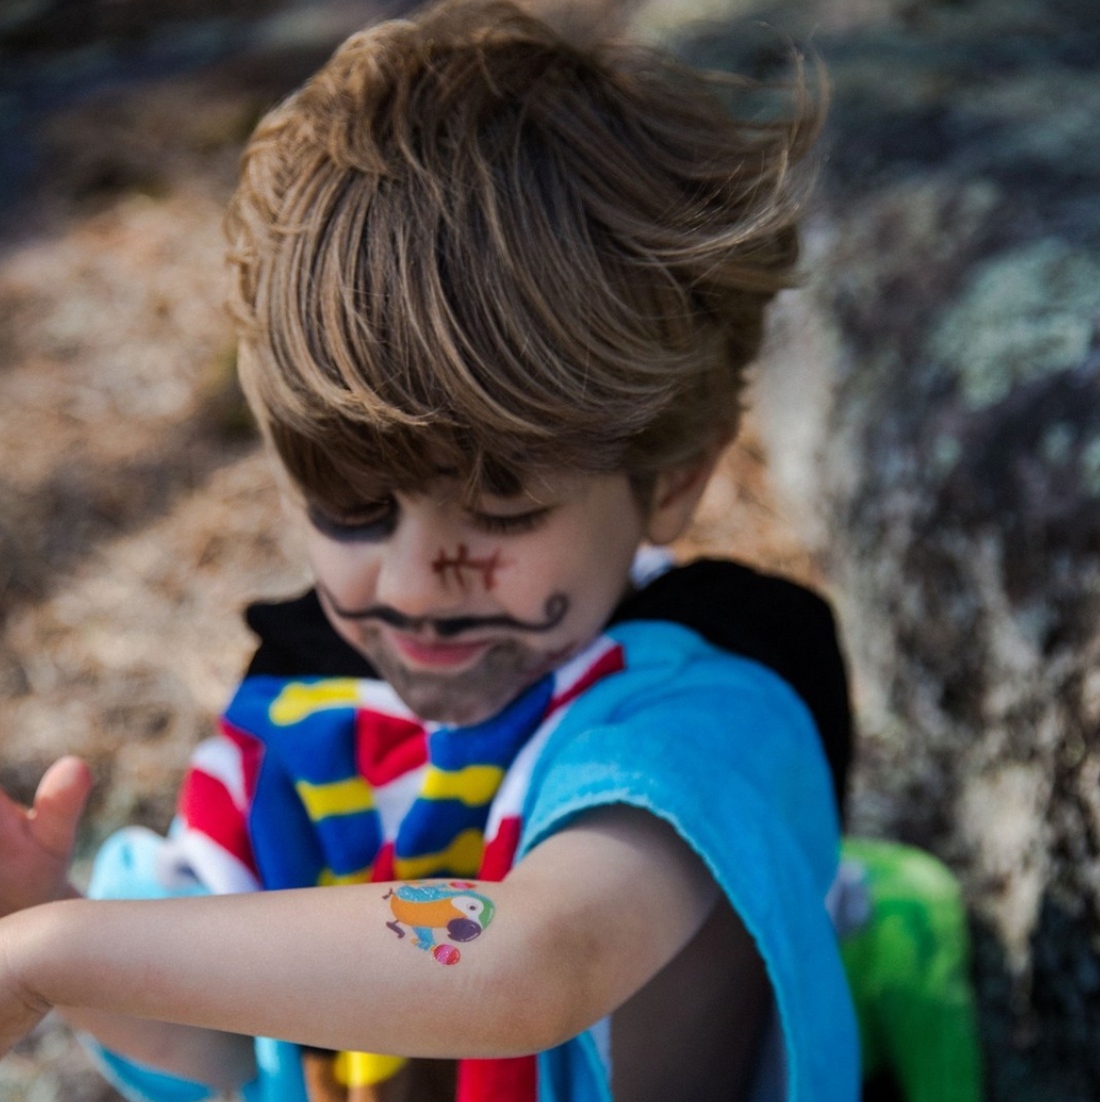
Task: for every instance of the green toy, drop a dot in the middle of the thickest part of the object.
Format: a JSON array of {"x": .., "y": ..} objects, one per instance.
[{"x": 908, "y": 960}]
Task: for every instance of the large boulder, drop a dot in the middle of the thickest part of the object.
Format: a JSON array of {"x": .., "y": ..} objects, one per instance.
[{"x": 931, "y": 407}]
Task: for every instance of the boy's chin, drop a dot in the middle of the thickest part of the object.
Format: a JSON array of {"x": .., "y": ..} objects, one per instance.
[
  {"x": 465, "y": 698},
  {"x": 433, "y": 699},
  {"x": 438, "y": 706}
]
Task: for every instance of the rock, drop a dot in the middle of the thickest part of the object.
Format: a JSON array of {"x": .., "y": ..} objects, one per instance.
[{"x": 931, "y": 407}]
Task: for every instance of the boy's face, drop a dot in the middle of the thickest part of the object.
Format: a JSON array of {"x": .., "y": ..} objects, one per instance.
[{"x": 460, "y": 607}]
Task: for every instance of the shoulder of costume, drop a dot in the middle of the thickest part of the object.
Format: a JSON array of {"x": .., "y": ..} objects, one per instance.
[
  {"x": 776, "y": 622},
  {"x": 723, "y": 749},
  {"x": 686, "y": 729},
  {"x": 297, "y": 640}
]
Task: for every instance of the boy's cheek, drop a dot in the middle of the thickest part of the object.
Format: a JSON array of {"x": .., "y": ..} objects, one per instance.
[{"x": 349, "y": 574}]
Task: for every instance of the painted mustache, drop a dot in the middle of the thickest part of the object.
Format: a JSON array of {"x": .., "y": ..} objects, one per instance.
[{"x": 554, "y": 611}]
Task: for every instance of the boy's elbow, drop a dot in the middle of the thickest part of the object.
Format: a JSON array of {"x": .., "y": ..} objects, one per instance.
[
  {"x": 543, "y": 1017},
  {"x": 547, "y": 994}
]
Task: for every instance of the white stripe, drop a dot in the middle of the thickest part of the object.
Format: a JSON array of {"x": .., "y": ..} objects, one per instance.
[
  {"x": 212, "y": 865},
  {"x": 394, "y": 799},
  {"x": 513, "y": 789},
  {"x": 220, "y": 758},
  {"x": 650, "y": 563},
  {"x": 379, "y": 696},
  {"x": 565, "y": 677}
]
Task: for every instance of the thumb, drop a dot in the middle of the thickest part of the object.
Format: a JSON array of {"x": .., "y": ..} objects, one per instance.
[{"x": 59, "y": 803}]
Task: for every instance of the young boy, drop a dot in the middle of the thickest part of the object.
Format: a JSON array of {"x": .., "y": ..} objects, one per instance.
[{"x": 496, "y": 298}]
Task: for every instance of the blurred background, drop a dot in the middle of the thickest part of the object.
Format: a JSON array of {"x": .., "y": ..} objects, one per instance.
[{"x": 924, "y": 441}]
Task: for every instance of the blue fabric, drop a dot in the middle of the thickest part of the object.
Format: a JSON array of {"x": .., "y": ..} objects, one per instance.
[
  {"x": 127, "y": 866},
  {"x": 726, "y": 752},
  {"x": 139, "y": 1083}
]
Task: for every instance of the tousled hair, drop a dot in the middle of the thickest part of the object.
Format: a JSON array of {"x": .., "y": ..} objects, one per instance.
[{"x": 468, "y": 245}]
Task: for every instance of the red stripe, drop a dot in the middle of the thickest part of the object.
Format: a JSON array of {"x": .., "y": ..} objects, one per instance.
[
  {"x": 383, "y": 864},
  {"x": 609, "y": 662},
  {"x": 513, "y": 1080},
  {"x": 500, "y": 850},
  {"x": 252, "y": 753},
  {"x": 206, "y": 806},
  {"x": 388, "y": 746}
]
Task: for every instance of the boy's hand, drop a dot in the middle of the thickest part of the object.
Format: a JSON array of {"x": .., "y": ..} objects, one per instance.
[{"x": 36, "y": 843}]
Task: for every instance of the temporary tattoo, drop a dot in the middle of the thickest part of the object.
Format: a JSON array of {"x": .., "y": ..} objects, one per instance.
[
  {"x": 430, "y": 909},
  {"x": 554, "y": 611},
  {"x": 487, "y": 567}
]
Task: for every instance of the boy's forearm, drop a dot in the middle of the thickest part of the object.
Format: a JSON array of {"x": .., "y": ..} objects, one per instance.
[{"x": 319, "y": 967}]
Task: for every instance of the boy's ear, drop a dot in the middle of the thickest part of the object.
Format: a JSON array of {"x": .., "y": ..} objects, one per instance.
[{"x": 676, "y": 493}]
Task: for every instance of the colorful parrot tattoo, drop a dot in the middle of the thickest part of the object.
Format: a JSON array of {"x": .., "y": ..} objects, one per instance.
[{"x": 426, "y": 908}]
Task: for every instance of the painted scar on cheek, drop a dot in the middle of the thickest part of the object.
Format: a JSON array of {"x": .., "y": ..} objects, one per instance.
[
  {"x": 447, "y": 565},
  {"x": 438, "y": 914}
]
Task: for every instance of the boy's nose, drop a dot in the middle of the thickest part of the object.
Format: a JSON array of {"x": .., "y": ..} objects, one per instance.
[{"x": 409, "y": 580}]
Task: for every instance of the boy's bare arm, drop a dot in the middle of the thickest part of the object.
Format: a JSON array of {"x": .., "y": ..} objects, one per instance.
[{"x": 580, "y": 924}]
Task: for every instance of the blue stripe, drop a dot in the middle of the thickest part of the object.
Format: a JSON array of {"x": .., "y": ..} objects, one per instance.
[
  {"x": 349, "y": 842},
  {"x": 431, "y": 826},
  {"x": 497, "y": 740}
]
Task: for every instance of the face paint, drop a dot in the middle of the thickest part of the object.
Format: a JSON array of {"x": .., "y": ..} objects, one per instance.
[
  {"x": 554, "y": 611},
  {"x": 460, "y": 614},
  {"x": 487, "y": 566}
]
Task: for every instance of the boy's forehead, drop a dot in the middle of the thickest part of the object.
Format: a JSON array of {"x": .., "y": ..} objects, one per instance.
[
  {"x": 447, "y": 482},
  {"x": 453, "y": 483}
]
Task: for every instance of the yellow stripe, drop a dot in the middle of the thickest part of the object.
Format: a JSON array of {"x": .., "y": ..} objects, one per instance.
[
  {"x": 329, "y": 879},
  {"x": 298, "y": 700},
  {"x": 362, "y": 1069},
  {"x": 474, "y": 785},
  {"x": 336, "y": 798},
  {"x": 462, "y": 858}
]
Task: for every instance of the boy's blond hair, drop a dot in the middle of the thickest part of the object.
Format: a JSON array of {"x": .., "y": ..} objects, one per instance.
[{"x": 468, "y": 245}]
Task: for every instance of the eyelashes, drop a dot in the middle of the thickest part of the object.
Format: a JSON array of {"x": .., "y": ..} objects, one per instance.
[
  {"x": 514, "y": 524},
  {"x": 378, "y": 522}
]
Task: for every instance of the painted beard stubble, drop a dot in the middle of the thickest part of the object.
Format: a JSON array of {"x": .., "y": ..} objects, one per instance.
[{"x": 463, "y": 698}]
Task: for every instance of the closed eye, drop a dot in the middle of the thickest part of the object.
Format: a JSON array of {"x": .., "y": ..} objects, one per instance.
[
  {"x": 511, "y": 524},
  {"x": 368, "y": 523}
]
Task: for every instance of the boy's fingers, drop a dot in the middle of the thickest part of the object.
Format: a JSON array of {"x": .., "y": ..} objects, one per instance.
[{"x": 59, "y": 803}]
